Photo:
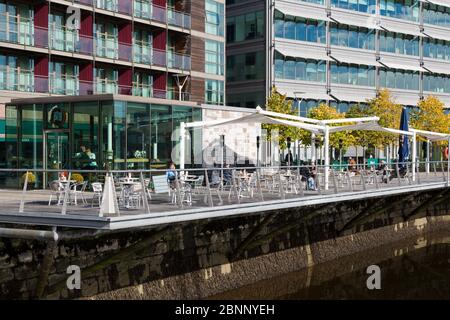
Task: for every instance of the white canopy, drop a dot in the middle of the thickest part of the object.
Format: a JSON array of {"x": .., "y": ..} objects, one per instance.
[
  {"x": 432, "y": 136},
  {"x": 314, "y": 126},
  {"x": 258, "y": 118}
]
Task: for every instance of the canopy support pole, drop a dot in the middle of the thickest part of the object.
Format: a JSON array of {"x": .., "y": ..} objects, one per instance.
[
  {"x": 327, "y": 156},
  {"x": 414, "y": 156},
  {"x": 448, "y": 165},
  {"x": 182, "y": 143},
  {"x": 428, "y": 157}
]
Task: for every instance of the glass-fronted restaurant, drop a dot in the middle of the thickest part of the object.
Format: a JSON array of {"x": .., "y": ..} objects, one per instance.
[{"x": 95, "y": 132}]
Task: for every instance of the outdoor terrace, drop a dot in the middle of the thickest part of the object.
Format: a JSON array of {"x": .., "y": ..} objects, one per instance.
[{"x": 121, "y": 200}]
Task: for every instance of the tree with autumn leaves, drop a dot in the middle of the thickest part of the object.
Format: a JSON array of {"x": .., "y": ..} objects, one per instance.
[
  {"x": 280, "y": 104},
  {"x": 430, "y": 116}
]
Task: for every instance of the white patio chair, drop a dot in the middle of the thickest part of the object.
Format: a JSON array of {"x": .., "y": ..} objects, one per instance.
[
  {"x": 78, "y": 191},
  {"x": 97, "y": 188},
  {"x": 57, "y": 190}
]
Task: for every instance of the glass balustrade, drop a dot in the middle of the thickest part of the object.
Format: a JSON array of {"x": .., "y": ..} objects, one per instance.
[
  {"x": 178, "y": 61},
  {"x": 179, "y": 19},
  {"x": 64, "y": 84},
  {"x": 106, "y": 86},
  {"x": 63, "y": 39},
  {"x": 142, "y": 90},
  {"x": 16, "y": 29},
  {"x": 106, "y": 46},
  {"x": 16, "y": 79}
]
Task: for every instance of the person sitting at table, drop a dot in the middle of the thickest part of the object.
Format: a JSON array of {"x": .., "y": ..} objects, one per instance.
[
  {"x": 384, "y": 170},
  {"x": 171, "y": 174},
  {"x": 62, "y": 176},
  {"x": 308, "y": 175},
  {"x": 351, "y": 164}
]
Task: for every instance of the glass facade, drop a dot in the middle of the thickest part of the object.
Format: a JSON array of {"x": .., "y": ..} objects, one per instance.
[
  {"x": 214, "y": 57},
  {"x": 125, "y": 135},
  {"x": 297, "y": 28},
  {"x": 299, "y": 69},
  {"x": 436, "y": 15},
  {"x": 214, "y": 92},
  {"x": 245, "y": 27},
  {"x": 353, "y": 37},
  {"x": 357, "y": 75},
  {"x": 215, "y": 17},
  {"x": 399, "y": 43},
  {"x": 436, "y": 49},
  {"x": 400, "y": 9},
  {"x": 399, "y": 79},
  {"x": 438, "y": 83},
  {"x": 246, "y": 66},
  {"x": 367, "y": 6}
]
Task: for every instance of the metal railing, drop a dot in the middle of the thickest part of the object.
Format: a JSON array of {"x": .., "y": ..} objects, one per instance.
[{"x": 131, "y": 192}]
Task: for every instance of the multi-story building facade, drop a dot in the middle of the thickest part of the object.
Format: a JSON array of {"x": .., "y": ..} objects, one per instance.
[
  {"x": 164, "y": 51},
  {"x": 337, "y": 51}
]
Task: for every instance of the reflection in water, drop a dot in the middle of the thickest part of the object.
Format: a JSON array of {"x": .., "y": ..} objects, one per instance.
[{"x": 416, "y": 268}]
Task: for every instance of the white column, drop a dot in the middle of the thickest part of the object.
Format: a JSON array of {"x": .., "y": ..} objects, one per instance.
[
  {"x": 313, "y": 147},
  {"x": 110, "y": 138},
  {"x": 327, "y": 155},
  {"x": 182, "y": 143},
  {"x": 448, "y": 165},
  {"x": 427, "y": 158},
  {"x": 414, "y": 155}
]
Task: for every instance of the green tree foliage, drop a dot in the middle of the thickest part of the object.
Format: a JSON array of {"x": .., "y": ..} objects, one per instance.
[
  {"x": 362, "y": 138},
  {"x": 325, "y": 112},
  {"x": 389, "y": 112},
  {"x": 278, "y": 103}
]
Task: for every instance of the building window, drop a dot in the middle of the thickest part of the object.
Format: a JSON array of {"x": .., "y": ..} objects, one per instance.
[
  {"x": 436, "y": 83},
  {"x": 296, "y": 28},
  {"x": 357, "y": 75},
  {"x": 368, "y": 6},
  {"x": 299, "y": 69},
  {"x": 400, "y": 9},
  {"x": 214, "y": 92},
  {"x": 399, "y": 79},
  {"x": 246, "y": 66},
  {"x": 399, "y": 43},
  {"x": 245, "y": 27},
  {"x": 214, "y": 57},
  {"x": 214, "y": 17},
  {"x": 437, "y": 15},
  {"x": 351, "y": 36},
  {"x": 436, "y": 49}
]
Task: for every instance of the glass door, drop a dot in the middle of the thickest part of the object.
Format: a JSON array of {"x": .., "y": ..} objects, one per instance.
[{"x": 56, "y": 153}]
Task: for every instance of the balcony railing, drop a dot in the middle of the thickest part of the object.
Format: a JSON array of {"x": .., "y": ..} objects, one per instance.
[
  {"x": 16, "y": 79},
  {"x": 63, "y": 39},
  {"x": 16, "y": 29},
  {"x": 179, "y": 19},
  {"x": 178, "y": 61},
  {"x": 22, "y": 80},
  {"x": 147, "y": 91},
  {"x": 64, "y": 84}
]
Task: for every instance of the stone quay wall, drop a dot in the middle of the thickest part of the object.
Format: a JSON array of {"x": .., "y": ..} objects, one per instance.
[{"x": 206, "y": 257}]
